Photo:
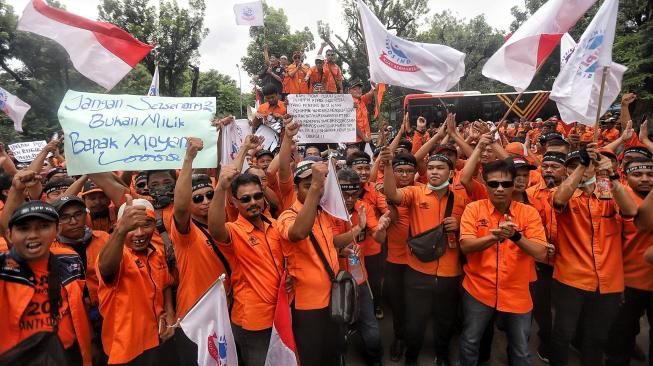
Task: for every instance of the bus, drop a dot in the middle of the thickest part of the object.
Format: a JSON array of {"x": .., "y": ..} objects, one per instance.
[{"x": 473, "y": 105}]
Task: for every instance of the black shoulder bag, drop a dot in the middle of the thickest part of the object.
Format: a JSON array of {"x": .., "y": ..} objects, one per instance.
[
  {"x": 343, "y": 305},
  {"x": 42, "y": 348},
  {"x": 217, "y": 251},
  {"x": 431, "y": 244}
]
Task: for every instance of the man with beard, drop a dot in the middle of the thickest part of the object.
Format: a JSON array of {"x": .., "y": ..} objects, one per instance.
[
  {"x": 100, "y": 211},
  {"x": 553, "y": 173},
  {"x": 254, "y": 250},
  {"x": 638, "y": 274},
  {"x": 135, "y": 289},
  {"x": 199, "y": 261},
  {"x": 588, "y": 268},
  {"x": 500, "y": 238},
  {"x": 431, "y": 288}
]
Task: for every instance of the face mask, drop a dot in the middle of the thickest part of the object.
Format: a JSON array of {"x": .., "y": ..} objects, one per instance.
[
  {"x": 162, "y": 195},
  {"x": 587, "y": 182},
  {"x": 438, "y": 187}
]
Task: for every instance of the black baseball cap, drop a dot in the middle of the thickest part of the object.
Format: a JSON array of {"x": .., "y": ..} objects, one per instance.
[
  {"x": 263, "y": 153},
  {"x": 34, "y": 209},
  {"x": 63, "y": 201}
]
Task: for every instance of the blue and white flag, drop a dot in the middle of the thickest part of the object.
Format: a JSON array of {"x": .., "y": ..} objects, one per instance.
[
  {"x": 207, "y": 324},
  {"x": 249, "y": 14},
  {"x": 576, "y": 89},
  {"x": 14, "y": 107},
  {"x": 154, "y": 86}
]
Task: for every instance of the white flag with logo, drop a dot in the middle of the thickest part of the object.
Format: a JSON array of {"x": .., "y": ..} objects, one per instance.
[
  {"x": 14, "y": 107},
  {"x": 576, "y": 89},
  {"x": 332, "y": 201},
  {"x": 249, "y": 14},
  {"x": 154, "y": 85},
  {"x": 207, "y": 324},
  {"x": 567, "y": 47},
  {"x": 233, "y": 136},
  {"x": 396, "y": 61}
]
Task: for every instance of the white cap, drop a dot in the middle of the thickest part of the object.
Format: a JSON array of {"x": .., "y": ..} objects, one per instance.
[{"x": 136, "y": 202}]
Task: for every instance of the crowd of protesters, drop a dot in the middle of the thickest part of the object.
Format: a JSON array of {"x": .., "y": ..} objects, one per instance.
[{"x": 538, "y": 216}]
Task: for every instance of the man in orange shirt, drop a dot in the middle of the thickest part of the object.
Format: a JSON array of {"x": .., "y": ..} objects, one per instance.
[
  {"x": 638, "y": 274},
  {"x": 363, "y": 132},
  {"x": 610, "y": 133},
  {"x": 199, "y": 261},
  {"x": 254, "y": 249},
  {"x": 297, "y": 74},
  {"x": 102, "y": 214},
  {"x": 431, "y": 288},
  {"x": 302, "y": 227},
  {"x": 500, "y": 238},
  {"x": 134, "y": 325},
  {"x": 40, "y": 285},
  {"x": 588, "y": 268},
  {"x": 332, "y": 75},
  {"x": 272, "y": 111}
]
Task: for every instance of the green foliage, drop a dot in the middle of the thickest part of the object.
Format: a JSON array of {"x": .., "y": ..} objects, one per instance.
[{"x": 276, "y": 33}]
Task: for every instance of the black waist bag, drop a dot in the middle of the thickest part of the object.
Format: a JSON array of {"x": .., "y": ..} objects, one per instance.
[
  {"x": 343, "y": 304},
  {"x": 431, "y": 244},
  {"x": 39, "y": 349}
]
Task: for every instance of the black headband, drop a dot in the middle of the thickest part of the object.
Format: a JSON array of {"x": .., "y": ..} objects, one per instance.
[
  {"x": 56, "y": 187},
  {"x": 350, "y": 187},
  {"x": 359, "y": 161},
  {"x": 442, "y": 158},
  {"x": 302, "y": 169},
  {"x": 638, "y": 149},
  {"x": 638, "y": 167},
  {"x": 202, "y": 184},
  {"x": 556, "y": 158},
  {"x": 402, "y": 162}
]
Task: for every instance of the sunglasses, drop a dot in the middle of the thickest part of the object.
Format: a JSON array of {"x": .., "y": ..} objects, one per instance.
[
  {"x": 497, "y": 183},
  {"x": 199, "y": 198},
  {"x": 247, "y": 198},
  {"x": 141, "y": 185}
]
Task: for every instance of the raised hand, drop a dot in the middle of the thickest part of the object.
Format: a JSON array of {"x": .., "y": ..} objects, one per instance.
[
  {"x": 133, "y": 216},
  {"x": 25, "y": 179},
  {"x": 362, "y": 217},
  {"x": 384, "y": 221},
  {"x": 193, "y": 145},
  {"x": 227, "y": 175}
]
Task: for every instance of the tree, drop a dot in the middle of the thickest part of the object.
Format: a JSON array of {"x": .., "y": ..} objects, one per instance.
[
  {"x": 177, "y": 31},
  {"x": 225, "y": 91},
  {"x": 276, "y": 33}
]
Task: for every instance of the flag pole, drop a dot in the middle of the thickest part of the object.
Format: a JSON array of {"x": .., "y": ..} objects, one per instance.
[
  {"x": 514, "y": 102},
  {"x": 598, "y": 109},
  {"x": 220, "y": 278}
]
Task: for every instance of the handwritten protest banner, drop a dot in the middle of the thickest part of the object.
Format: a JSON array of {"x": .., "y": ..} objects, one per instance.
[
  {"x": 105, "y": 132},
  {"x": 324, "y": 117},
  {"x": 25, "y": 152}
]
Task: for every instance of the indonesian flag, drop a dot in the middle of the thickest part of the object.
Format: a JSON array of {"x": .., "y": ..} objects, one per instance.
[
  {"x": 154, "y": 85},
  {"x": 100, "y": 51},
  {"x": 517, "y": 61},
  {"x": 332, "y": 201},
  {"x": 249, "y": 14},
  {"x": 396, "y": 61},
  {"x": 207, "y": 324},
  {"x": 576, "y": 89},
  {"x": 282, "y": 349},
  {"x": 13, "y": 107}
]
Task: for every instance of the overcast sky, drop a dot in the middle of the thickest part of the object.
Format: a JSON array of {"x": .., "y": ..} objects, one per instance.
[{"x": 226, "y": 42}]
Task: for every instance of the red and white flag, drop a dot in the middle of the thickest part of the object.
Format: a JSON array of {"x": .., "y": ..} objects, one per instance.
[
  {"x": 100, "y": 51},
  {"x": 14, "y": 107},
  {"x": 282, "y": 349},
  {"x": 516, "y": 62},
  {"x": 207, "y": 324},
  {"x": 332, "y": 201}
]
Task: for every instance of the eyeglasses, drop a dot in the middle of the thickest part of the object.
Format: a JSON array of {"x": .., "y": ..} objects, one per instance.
[
  {"x": 497, "y": 183},
  {"x": 404, "y": 172},
  {"x": 199, "y": 198},
  {"x": 247, "y": 198},
  {"x": 78, "y": 216}
]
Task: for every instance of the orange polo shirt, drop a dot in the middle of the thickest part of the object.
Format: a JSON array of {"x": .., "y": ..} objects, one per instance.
[
  {"x": 98, "y": 239},
  {"x": 167, "y": 214},
  {"x": 198, "y": 266},
  {"x": 296, "y": 83},
  {"x": 588, "y": 250},
  {"x": 540, "y": 197},
  {"x": 398, "y": 237},
  {"x": 362, "y": 116},
  {"x": 331, "y": 73},
  {"x": 364, "y": 239},
  {"x": 607, "y": 136},
  {"x": 132, "y": 304},
  {"x": 288, "y": 194},
  {"x": 637, "y": 272},
  {"x": 499, "y": 276},
  {"x": 374, "y": 201},
  {"x": 426, "y": 211},
  {"x": 312, "y": 284},
  {"x": 257, "y": 262},
  {"x": 265, "y": 109}
]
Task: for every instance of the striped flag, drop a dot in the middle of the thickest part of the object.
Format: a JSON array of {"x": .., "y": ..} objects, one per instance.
[
  {"x": 14, "y": 108},
  {"x": 100, "y": 51},
  {"x": 282, "y": 349}
]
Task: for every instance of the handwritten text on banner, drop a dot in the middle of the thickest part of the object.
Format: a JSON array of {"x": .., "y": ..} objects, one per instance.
[
  {"x": 130, "y": 132},
  {"x": 324, "y": 117},
  {"x": 25, "y": 152}
]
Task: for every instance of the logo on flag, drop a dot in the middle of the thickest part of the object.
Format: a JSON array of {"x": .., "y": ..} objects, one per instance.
[
  {"x": 394, "y": 57},
  {"x": 218, "y": 351},
  {"x": 590, "y": 56},
  {"x": 3, "y": 100},
  {"x": 248, "y": 13}
]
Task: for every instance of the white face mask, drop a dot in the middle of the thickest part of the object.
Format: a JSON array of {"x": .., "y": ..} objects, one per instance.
[
  {"x": 586, "y": 183},
  {"x": 439, "y": 187}
]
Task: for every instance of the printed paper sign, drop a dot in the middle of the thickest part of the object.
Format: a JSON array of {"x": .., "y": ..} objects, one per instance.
[
  {"x": 324, "y": 118},
  {"x": 104, "y": 132},
  {"x": 25, "y": 152}
]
